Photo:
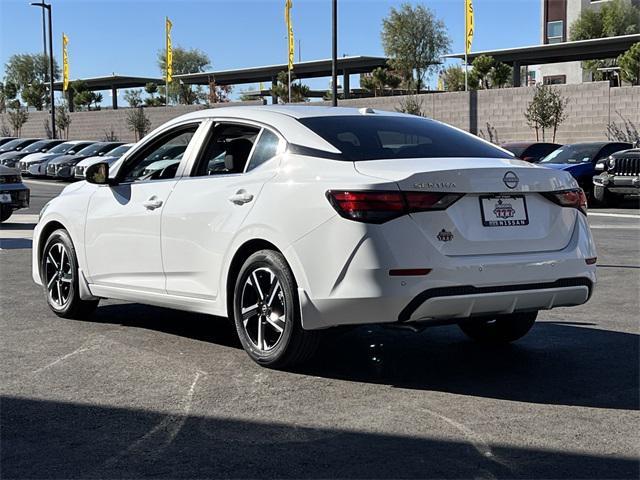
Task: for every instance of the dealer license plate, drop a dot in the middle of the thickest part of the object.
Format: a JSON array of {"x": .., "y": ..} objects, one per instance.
[{"x": 504, "y": 211}]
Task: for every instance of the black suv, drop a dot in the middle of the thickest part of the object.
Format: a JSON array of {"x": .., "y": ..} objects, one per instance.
[{"x": 620, "y": 176}]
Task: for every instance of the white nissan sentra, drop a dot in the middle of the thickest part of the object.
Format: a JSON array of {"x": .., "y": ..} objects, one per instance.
[{"x": 291, "y": 220}]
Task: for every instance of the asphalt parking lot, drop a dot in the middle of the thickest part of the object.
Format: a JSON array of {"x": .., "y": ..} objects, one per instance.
[{"x": 140, "y": 391}]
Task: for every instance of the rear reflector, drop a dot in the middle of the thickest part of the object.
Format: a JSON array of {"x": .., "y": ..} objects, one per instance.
[
  {"x": 591, "y": 261},
  {"x": 409, "y": 272},
  {"x": 569, "y": 198},
  {"x": 382, "y": 206}
]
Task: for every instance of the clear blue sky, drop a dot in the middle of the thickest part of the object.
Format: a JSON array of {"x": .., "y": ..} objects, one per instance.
[{"x": 124, "y": 36}]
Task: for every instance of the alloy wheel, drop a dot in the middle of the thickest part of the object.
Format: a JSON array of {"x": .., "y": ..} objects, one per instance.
[
  {"x": 58, "y": 275},
  {"x": 264, "y": 308}
]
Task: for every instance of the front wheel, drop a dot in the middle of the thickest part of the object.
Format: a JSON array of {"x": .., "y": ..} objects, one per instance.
[
  {"x": 499, "y": 328},
  {"x": 604, "y": 198},
  {"x": 267, "y": 313},
  {"x": 59, "y": 273}
]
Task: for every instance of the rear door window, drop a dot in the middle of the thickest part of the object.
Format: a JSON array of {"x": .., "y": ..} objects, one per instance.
[{"x": 265, "y": 149}]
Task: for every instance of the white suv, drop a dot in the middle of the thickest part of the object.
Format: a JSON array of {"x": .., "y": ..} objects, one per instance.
[{"x": 291, "y": 220}]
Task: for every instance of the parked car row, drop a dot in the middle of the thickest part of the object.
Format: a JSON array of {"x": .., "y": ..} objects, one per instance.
[
  {"x": 56, "y": 158},
  {"x": 584, "y": 161}
]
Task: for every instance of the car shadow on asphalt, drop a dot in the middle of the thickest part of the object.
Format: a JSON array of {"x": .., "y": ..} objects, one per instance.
[
  {"x": 56, "y": 439},
  {"x": 206, "y": 328},
  {"x": 560, "y": 363},
  {"x": 556, "y": 363}
]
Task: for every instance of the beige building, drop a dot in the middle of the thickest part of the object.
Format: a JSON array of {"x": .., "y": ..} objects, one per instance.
[{"x": 556, "y": 19}]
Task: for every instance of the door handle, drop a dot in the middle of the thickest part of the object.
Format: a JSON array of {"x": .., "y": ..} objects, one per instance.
[
  {"x": 240, "y": 197},
  {"x": 152, "y": 203}
]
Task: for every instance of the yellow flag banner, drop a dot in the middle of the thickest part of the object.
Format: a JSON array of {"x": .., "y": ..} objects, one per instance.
[
  {"x": 287, "y": 17},
  {"x": 65, "y": 63},
  {"x": 169, "y": 59},
  {"x": 468, "y": 22}
]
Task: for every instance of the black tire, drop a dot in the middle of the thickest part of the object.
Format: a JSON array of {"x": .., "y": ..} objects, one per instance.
[
  {"x": 604, "y": 198},
  {"x": 274, "y": 349},
  {"x": 499, "y": 328},
  {"x": 63, "y": 295},
  {"x": 5, "y": 212}
]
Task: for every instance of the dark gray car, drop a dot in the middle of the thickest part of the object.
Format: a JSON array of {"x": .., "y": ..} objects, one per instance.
[
  {"x": 13, "y": 193},
  {"x": 62, "y": 167}
]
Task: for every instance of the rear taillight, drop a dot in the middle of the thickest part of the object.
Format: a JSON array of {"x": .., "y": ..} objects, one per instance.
[
  {"x": 574, "y": 198},
  {"x": 382, "y": 206}
]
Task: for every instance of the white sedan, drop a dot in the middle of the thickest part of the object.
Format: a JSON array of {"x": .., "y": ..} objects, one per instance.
[{"x": 291, "y": 220}]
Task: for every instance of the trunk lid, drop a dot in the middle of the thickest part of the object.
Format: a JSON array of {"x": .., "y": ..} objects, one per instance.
[{"x": 489, "y": 186}]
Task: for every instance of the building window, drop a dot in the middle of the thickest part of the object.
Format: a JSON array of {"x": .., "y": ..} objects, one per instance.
[
  {"x": 554, "y": 80},
  {"x": 555, "y": 31}
]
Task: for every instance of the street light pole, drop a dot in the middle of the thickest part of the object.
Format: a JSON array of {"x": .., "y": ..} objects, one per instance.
[
  {"x": 334, "y": 53},
  {"x": 51, "y": 92}
]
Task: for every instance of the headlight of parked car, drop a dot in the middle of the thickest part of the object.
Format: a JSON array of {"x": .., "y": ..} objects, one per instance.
[{"x": 612, "y": 162}]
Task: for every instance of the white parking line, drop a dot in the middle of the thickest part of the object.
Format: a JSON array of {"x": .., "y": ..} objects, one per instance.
[{"x": 617, "y": 215}]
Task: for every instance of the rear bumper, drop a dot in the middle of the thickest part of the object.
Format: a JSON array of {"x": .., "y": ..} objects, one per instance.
[
  {"x": 457, "y": 287},
  {"x": 469, "y": 301},
  {"x": 19, "y": 193}
]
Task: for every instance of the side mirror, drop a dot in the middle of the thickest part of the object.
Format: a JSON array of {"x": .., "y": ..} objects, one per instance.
[
  {"x": 98, "y": 173},
  {"x": 530, "y": 159}
]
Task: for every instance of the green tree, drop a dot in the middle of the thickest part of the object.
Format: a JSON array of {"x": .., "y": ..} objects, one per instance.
[
  {"x": 299, "y": 91},
  {"x": 18, "y": 116},
  {"x": 617, "y": 17},
  {"x": 453, "y": 78},
  {"x": 411, "y": 104},
  {"x": 29, "y": 73},
  {"x": 482, "y": 66},
  {"x": 414, "y": 39},
  {"x": 184, "y": 61},
  {"x": 138, "y": 122},
  {"x": 63, "y": 121},
  {"x": 133, "y": 98},
  {"x": 546, "y": 110},
  {"x": 489, "y": 73},
  {"x": 629, "y": 63},
  {"x": 152, "y": 101},
  {"x": 83, "y": 97},
  {"x": 381, "y": 81},
  {"x": 500, "y": 75}
]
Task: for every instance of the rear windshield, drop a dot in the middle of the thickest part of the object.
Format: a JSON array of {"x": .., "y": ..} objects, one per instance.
[{"x": 370, "y": 137}]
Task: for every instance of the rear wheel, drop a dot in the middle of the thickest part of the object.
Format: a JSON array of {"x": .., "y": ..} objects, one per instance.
[
  {"x": 5, "y": 212},
  {"x": 59, "y": 272},
  {"x": 499, "y": 328},
  {"x": 267, "y": 313}
]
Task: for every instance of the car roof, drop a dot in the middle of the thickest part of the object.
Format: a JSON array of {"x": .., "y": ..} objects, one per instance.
[{"x": 283, "y": 118}]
